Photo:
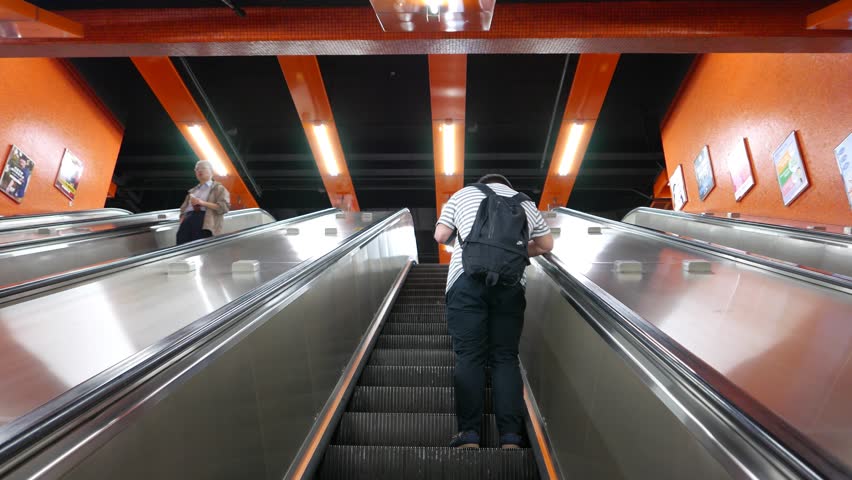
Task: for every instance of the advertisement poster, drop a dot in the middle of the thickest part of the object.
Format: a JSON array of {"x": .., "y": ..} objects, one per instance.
[
  {"x": 740, "y": 167},
  {"x": 790, "y": 169},
  {"x": 16, "y": 174},
  {"x": 69, "y": 174},
  {"x": 678, "y": 189},
  {"x": 843, "y": 153},
  {"x": 704, "y": 173}
]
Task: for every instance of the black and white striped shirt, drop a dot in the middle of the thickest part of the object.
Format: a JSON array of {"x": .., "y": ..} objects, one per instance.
[{"x": 460, "y": 211}]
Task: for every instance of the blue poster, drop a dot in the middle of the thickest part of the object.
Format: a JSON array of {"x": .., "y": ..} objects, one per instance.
[
  {"x": 16, "y": 174},
  {"x": 704, "y": 173}
]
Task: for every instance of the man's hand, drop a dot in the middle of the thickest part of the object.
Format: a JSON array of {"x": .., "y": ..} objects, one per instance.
[{"x": 540, "y": 245}]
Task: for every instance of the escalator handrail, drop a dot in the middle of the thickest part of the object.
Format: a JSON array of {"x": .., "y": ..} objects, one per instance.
[
  {"x": 792, "y": 232},
  {"x": 61, "y": 222},
  {"x": 17, "y": 292},
  {"x": 790, "y": 453},
  {"x": 24, "y": 431},
  {"x": 826, "y": 279},
  {"x": 118, "y": 231}
]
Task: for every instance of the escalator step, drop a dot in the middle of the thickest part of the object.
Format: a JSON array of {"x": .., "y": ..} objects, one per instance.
[
  {"x": 406, "y": 376},
  {"x": 404, "y": 357},
  {"x": 407, "y": 400},
  {"x": 428, "y": 292},
  {"x": 418, "y": 317},
  {"x": 345, "y": 462},
  {"x": 398, "y": 328},
  {"x": 406, "y": 429},
  {"x": 418, "y": 308},
  {"x": 405, "y": 299},
  {"x": 430, "y": 342}
]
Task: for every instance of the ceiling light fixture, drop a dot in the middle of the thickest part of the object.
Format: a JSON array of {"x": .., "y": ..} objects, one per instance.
[
  {"x": 571, "y": 146},
  {"x": 203, "y": 143},
  {"x": 434, "y": 6},
  {"x": 448, "y": 144},
  {"x": 326, "y": 151}
]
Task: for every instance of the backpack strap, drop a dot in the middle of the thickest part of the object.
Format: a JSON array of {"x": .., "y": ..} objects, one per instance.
[
  {"x": 484, "y": 189},
  {"x": 520, "y": 197}
]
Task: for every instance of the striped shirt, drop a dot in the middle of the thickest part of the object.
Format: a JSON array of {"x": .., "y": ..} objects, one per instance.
[{"x": 460, "y": 211}]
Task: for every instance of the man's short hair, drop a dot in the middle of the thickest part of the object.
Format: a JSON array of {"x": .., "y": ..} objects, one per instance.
[
  {"x": 204, "y": 164},
  {"x": 495, "y": 178}
]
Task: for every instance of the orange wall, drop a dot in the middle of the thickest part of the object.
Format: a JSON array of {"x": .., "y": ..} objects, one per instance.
[
  {"x": 45, "y": 109},
  {"x": 764, "y": 97}
]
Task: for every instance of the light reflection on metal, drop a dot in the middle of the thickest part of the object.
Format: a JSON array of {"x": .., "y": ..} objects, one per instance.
[{"x": 434, "y": 15}]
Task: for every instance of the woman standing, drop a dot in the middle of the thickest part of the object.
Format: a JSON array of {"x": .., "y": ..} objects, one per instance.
[{"x": 202, "y": 211}]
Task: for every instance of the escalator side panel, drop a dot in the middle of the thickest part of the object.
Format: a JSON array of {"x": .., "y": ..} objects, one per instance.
[
  {"x": 241, "y": 407},
  {"x": 602, "y": 420}
]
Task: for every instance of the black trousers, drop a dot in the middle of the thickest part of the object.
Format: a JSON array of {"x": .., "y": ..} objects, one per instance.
[
  {"x": 190, "y": 228},
  {"x": 485, "y": 324}
]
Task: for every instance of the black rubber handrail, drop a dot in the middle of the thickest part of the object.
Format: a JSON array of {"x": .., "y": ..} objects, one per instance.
[
  {"x": 823, "y": 278},
  {"x": 793, "y": 232},
  {"x": 791, "y": 451},
  {"x": 17, "y": 292},
  {"x": 24, "y": 431}
]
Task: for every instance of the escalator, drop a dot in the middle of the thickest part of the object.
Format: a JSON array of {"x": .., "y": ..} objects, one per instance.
[
  {"x": 401, "y": 414},
  {"x": 340, "y": 366}
]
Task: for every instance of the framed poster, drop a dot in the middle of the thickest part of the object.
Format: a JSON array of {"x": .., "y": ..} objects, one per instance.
[
  {"x": 843, "y": 154},
  {"x": 68, "y": 178},
  {"x": 740, "y": 167},
  {"x": 790, "y": 169},
  {"x": 678, "y": 189},
  {"x": 704, "y": 173},
  {"x": 16, "y": 174}
]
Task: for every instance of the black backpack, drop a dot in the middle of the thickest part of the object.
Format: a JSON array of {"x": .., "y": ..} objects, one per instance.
[{"x": 495, "y": 251}]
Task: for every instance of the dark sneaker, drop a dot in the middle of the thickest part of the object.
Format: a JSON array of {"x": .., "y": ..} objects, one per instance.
[
  {"x": 510, "y": 440},
  {"x": 465, "y": 440}
]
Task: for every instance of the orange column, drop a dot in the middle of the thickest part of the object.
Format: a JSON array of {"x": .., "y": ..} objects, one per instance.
[
  {"x": 23, "y": 20},
  {"x": 304, "y": 79},
  {"x": 448, "y": 88},
  {"x": 591, "y": 82},
  {"x": 837, "y": 16},
  {"x": 178, "y": 102}
]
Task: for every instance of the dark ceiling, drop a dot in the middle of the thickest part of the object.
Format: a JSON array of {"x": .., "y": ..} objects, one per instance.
[{"x": 382, "y": 109}]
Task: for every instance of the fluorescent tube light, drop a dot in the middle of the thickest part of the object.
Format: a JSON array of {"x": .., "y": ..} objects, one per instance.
[
  {"x": 203, "y": 143},
  {"x": 571, "y": 146},
  {"x": 448, "y": 144},
  {"x": 326, "y": 151}
]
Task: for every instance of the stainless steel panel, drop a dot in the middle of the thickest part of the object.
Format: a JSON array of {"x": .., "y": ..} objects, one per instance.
[
  {"x": 241, "y": 406},
  {"x": 51, "y": 343},
  {"x": 35, "y": 260},
  {"x": 25, "y": 221},
  {"x": 826, "y": 252},
  {"x": 37, "y": 233},
  {"x": 783, "y": 341},
  {"x": 603, "y": 422}
]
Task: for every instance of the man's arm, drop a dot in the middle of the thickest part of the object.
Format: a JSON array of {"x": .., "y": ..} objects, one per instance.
[
  {"x": 540, "y": 245},
  {"x": 443, "y": 233}
]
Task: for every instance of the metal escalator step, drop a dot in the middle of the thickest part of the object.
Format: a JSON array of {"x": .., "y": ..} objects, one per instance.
[
  {"x": 431, "y": 342},
  {"x": 418, "y": 308},
  {"x": 413, "y": 317},
  {"x": 406, "y": 429},
  {"x": 355, "y": 462},
  {"x": 406, "y": 376},
  {"x": 428, "y": 292},
  {"x": 407, "y": 357},
  {"x": 399, "y": 328},
  {"x": 405, "y": 299},
  {"x": 407, "y": 400}
]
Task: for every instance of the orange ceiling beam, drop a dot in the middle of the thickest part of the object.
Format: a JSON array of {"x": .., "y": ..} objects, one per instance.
[
  {"x": 448, "y": 90},
  {"x": 23, "y": 20},
  {"x": 304, "y": 80},
  {"x": 837, "y": 16},
  {"x": 668, "y": 26},
  {"x": 588, "y": 91},
  {"x": 176, "y": 99}
]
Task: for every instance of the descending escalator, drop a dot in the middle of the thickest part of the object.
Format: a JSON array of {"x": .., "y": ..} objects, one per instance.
[{"x": 400, "y": 417}]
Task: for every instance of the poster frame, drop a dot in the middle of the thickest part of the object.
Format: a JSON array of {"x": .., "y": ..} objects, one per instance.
[
  {"x": 678, "y": 188},
  {"x": 69, "y": 157},
  {"x": 791, "y": 144},
  {"x": 6, "y": 168},
  {"x": 702, "y": 158}
]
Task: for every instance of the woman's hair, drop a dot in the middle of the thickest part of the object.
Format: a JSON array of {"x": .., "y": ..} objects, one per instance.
[{"x": 204, "y": 163}]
